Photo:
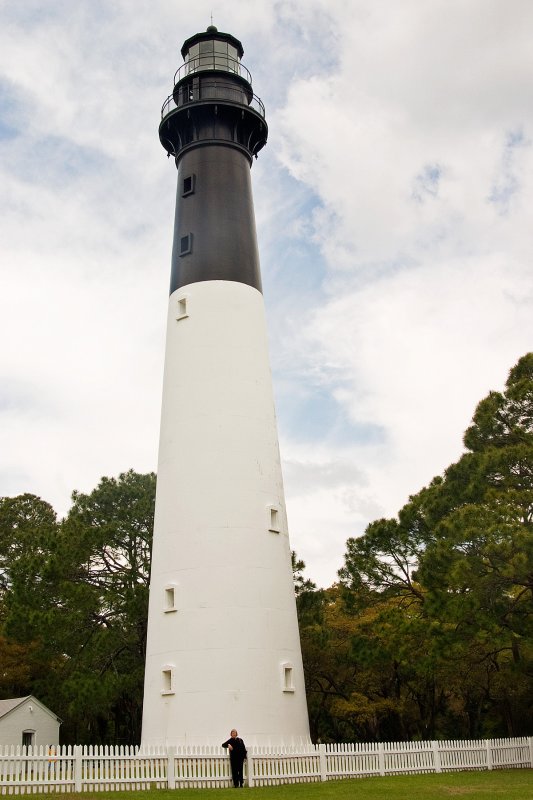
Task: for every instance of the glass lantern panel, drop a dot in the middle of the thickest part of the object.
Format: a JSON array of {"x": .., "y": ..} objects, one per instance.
[
  {"x": 192, "y": 58},
  {"x": 206, "y": 60},
  {"x": 221, "y": 62}
]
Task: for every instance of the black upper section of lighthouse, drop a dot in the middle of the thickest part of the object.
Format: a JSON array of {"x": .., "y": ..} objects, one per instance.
[{"x": 213, "y": 125}]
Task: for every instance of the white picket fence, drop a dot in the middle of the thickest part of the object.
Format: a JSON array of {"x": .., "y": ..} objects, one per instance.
[{"x": 87, "y": 769}]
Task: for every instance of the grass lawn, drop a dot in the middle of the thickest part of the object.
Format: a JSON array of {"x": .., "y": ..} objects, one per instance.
[{"x": 511, "y": 784}]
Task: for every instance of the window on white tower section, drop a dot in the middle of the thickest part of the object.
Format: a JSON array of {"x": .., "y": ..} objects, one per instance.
[
  {"x": 170, "y": 599},
  {"x": 167, "y": 681},
  {"x": 273, "y": 519},
  {"x": 181, "y": 311},
  {"x": 287, "y": 678}
]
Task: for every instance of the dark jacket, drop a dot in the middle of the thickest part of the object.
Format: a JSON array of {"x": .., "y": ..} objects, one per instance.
[{"x": 238, "y": 753}]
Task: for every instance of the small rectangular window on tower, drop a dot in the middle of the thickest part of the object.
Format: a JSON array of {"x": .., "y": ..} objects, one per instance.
[
  {"x": 170, "y": 599},
  {"x": 167, "y": 681},
  {"x": 186, "y": 244},
  {"x": 181, "y": 311},
  {"x": 286, "y": 678},
  {"x": 273, "y": 519},
  {"x": 189, "y": 183}
]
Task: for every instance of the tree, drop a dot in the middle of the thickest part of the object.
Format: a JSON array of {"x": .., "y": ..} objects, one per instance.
[
  {"x": 78, "y": 596},
  {"x": 15, "y": 672},
  {"x": 105, "y": 570},
  {"x": 27, "y": 524},
  {"x": 301, "y": 584},
  {"x": 479, "y": 568},
  {"x": 452, "y": 578},
  {"x": 28, "y": 527}
]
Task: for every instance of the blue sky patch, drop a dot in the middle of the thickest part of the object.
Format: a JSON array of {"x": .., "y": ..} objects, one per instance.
[
  {"x": 506, "y": 184},
  {"x": 56, "y": 161},
  {"x": 9, "y": 111},
  {"x": 293, "y": 260},
  {"x": 316, "y": 416},
  {"x": 426, "y": 184}
]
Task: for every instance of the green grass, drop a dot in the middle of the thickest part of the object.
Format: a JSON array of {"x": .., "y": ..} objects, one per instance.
[{"x": 511, "y": 784}]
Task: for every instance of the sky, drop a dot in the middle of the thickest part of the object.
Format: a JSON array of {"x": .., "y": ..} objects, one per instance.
[{"x": 393, "y": 205}]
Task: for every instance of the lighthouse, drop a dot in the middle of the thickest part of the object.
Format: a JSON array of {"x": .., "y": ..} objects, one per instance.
[{"x": 223, "y": 647}]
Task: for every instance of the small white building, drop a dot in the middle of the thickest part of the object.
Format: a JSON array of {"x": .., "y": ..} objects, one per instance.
[{"x": 26, "y": 721}]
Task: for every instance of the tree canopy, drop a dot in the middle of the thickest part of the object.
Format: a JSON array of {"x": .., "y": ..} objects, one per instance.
[
  {"x": 75, "y": 603},
  {"x": 431, "y": 623}
]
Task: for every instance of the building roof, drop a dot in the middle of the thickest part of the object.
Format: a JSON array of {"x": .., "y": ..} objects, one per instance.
[{"x": 6, "y": 706}]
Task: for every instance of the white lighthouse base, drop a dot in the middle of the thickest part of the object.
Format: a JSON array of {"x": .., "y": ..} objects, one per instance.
[{"x": 223, "y": 646}]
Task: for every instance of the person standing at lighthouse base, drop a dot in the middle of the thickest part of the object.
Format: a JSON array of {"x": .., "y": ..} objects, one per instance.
[{"x": 237, "y": 754}]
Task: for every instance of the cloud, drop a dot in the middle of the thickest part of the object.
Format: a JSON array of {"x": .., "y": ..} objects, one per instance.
[{"x": 417, "y": 147}]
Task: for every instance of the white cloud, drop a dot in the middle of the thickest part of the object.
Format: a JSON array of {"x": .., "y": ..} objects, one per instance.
[{"x": 419, "y": 146}]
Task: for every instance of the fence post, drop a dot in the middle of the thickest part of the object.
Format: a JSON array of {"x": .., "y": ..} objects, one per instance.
[
  {"x": 489, "y": 753},
  {"x": 381, "y": 759},
  {"x": 436, "y": 757},
  {"x": 171, "y": 768},
  {"x": 250, "y": 769},
  {"x": 323, "y": 763},
  {"x": 77, "y": 767},
  {"x": 530, "y": 743}
]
